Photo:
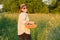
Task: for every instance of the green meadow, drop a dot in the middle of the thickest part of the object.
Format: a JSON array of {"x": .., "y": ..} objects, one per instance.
[{"x": 48, "y": 26}]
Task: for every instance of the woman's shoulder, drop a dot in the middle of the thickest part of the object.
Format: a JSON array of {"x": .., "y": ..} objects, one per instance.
[{"x": 22, "y": 14}]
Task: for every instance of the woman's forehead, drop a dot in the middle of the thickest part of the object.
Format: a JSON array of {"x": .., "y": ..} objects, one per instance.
[{"x": 25, "y": 6}]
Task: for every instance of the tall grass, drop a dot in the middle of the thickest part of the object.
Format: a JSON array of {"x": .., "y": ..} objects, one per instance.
[{"x": 48, "y": 26}]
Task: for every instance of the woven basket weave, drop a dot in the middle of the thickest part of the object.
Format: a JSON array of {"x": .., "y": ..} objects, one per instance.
[{"x": 31, "y": 25}]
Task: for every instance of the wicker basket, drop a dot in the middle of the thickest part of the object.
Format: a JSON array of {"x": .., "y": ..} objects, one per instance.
[{"x": 31, "y": 25}]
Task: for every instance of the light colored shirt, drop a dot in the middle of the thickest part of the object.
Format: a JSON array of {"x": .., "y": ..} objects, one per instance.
[{"x": 23, "y": 18}]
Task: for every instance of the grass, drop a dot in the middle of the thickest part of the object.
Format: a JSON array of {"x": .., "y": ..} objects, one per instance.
[{"x": 48, "y": 26}]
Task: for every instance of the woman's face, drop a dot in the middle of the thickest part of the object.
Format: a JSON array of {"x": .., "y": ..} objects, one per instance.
[{"x": 24, "y": 9}]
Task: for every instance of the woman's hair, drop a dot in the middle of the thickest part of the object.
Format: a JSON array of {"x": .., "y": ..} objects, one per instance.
[{"x": 21, "y": 6}]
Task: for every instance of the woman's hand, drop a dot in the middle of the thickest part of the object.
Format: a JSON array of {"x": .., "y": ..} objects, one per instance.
[{"x": 31, "y": 24}]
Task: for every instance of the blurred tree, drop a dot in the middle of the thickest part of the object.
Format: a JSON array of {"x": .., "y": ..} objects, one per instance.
[
  {"x": 35, "y": 6},
  {"x": 55, "y": 6}
]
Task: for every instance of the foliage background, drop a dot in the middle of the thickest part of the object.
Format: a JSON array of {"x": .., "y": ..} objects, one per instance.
[{"x": 35, "y": 6}]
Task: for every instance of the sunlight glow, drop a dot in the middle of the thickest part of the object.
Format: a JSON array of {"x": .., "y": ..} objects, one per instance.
[
  {"x": 47, "y": 2},
  {"x": 1, "y": 6}
]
